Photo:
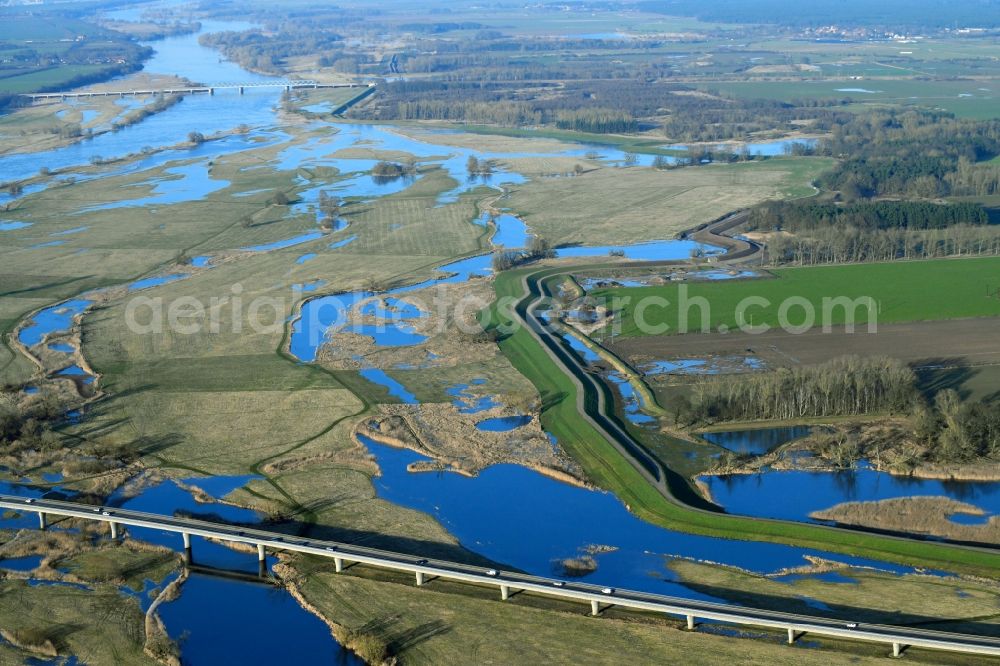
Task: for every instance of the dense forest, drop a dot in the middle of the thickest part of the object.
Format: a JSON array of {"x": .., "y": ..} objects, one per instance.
[
  {"x": 812, "y": 232},
  {"x": 918, "y": 154},
  {"x": 885, "y": 158},
  {"x": 863, "y": 215}
]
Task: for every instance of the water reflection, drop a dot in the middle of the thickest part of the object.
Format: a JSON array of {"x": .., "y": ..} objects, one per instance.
[{"x": 793, "y": 495}]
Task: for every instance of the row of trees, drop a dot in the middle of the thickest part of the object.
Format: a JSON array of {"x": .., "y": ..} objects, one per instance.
[
  {"x": 597, "y": 121},
  {"x": 509, "y": 114},
  {"x": 865, "y": 215},
  {"x": 538, "y": 248},
  {"x": 849, "y": 244},
  {"x": 845, "y": 386},
  {"x": 158, "y": 104}
]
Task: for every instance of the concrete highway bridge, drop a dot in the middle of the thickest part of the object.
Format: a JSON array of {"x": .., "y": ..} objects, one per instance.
[
  {"x": 194, "y": 89},
  {"x": 508, "y": 582}
]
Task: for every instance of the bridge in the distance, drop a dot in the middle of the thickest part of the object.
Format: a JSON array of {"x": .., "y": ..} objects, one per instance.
[{"x": 293, "y": 84}]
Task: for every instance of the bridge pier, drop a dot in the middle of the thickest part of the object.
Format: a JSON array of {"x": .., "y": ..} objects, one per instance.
[
  {"x": 595, "y": 607},
  {"x": 241, "y": 90},
  {"x": 897, "y": 649},
  {"x": 42, "y": 521},
  {"x": 338, "y": 564},
  {"x": 504, "y": 592},
  {"x": 211, "y": 91},
  {"x": 261, "y": 553},
  {"x": 420, "y": 578},
  {"x": 792, "y": 636},
  {"x": 114, "y": 530},
  {"x": 690, "y": 622}
]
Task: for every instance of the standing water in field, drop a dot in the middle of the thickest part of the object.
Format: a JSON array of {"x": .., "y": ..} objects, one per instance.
[
  {"x": 767, "y": 494},
  {"x": 508, "y": 513}
]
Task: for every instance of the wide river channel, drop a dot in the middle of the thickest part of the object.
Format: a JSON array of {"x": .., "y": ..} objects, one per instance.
[{"x": 508, "y": 513}]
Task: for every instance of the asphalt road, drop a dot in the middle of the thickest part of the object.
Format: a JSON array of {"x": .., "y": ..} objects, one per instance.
[{"x": 508, "y": 581}]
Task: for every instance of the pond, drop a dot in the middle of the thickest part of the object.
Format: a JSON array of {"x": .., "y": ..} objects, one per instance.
[
  {"x": 793, "y": 495},
  {"x": 261, "y": 622},
  {"x": 504, "y": 423},
  {"x": 756, "y": 441},
  {"x": 56, "y": 319}
]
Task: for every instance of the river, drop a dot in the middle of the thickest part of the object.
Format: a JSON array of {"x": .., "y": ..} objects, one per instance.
[{"x": 508, "y": 513}]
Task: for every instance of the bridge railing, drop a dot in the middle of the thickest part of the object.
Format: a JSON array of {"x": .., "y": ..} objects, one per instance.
[{"x": 424, "y": 570}]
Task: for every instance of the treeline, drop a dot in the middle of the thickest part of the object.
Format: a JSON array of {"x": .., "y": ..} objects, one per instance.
[
  {"x": 159, "y": 104},
  {"x": 267, "y": 52},
  {"x": 863, "y": 215},
  {"x": 597, "y": 121},
  {"x": 96, "y": 76},
  {"x": 509, "y": 114},
  {"x": 105, "y": 53},
  {"x": 153, "y": 31},
  {"x": 808, "y": 233},
  {"x": 717, "y": 117},
  {"x": 957, "y": 431},
  {"x": 918, "y": 154},
  {"x": 685, "y": 114},
  {"x": 439, "y": 28},
  {"x": 845, "y": 386},
  {"x": 538, "y": 248},
  {"x": 850, "y": 244}
]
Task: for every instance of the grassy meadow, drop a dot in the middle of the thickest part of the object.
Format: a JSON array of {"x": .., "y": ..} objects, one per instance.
[
  {"x": 903, "y": 291},
  {"x": 444, "y": 622},
  {"x": 639, "y": 204}
]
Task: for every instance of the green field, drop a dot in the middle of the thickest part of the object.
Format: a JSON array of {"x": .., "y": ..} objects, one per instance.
[
  {"x": 903, "y": 292},
  {"x": 964, "y": 98},
  {"x": 607, "y": 468},
  {"x": 46, "y": 50},
  {"x": 44, "y": 79}
]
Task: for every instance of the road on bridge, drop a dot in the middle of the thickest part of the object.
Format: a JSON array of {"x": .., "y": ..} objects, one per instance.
[{"x": 425, "y": 570}]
